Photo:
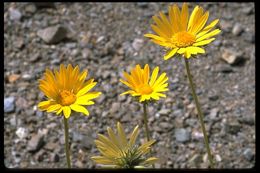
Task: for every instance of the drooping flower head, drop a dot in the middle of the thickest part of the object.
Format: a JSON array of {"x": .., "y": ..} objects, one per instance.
[
  {"x": 183, "y": 34},
  {"x": 67, "y": 90},
  {"x": 144, "y": 86},
  {"x": 118, "y": 152}
]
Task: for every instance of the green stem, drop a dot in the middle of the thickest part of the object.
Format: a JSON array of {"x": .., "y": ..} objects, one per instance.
[
  {"x": 66, "y": 128},
  {"x": 147, "y": 133},
  {"x": 199, "y": 113}
]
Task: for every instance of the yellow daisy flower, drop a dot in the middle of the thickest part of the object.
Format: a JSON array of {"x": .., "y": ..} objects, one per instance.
[
  {"x": 67, "y": 90},
  {"x": 183, "y": 34},
  {"x": 142, "y": 85},
  {"x": 117, "y": 152}
]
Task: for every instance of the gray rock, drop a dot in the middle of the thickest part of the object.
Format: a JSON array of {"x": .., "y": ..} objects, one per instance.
[
  {"x": 31, "y": 8},
  {"x": 36, "y": 142},
  {"x": 85, "y": 53},
  {"x": 225, "y": 25},
  {"x": 51, "y": 146},
  {"x": 86, "y": 142},
  {"x": 237, "y": 29},
  {"x": 137, "y": 44},
  {"x": 248, "y": 154},
  {"x": 247, "y": 10},
  {"x": 165, "y": 126},
  {"x": 164, "y": 111},
  {"x": 15, "y": 14},
  {"x": 9, "y": 104},
  {"x": 224, "y": 68},
  {"x": 213, "y": 113},
  {"x": 35, "y": 57},
  {"x": 115, "y": 107},
  {"x": 231, "y": 57},
  {"x": 249, "y": 37},
  {"x": 249, "y": 120},
  {"x": 182, "y": 135},
  {"x": 53, "y": 35},
  {"x": 232, "y": 127}
]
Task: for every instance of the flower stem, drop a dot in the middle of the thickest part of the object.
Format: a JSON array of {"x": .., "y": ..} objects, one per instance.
[
  {"x": 199, "y": 113},
  {"x": 147, "y": 133},
  {"x": 66, "y": 128}
]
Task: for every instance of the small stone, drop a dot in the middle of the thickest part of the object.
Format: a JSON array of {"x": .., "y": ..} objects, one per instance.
[
  {"x": 182, "y": 135},
  {"x": 115, "y": 107},
  {"x": 85, "y": 53},
  {"x": 15, "y": 14},
  {"x": 213, "y": 113},
  {"x": 86, "y": 142},
  {"x": 36, "y": 142},
  {"x": 237, "y": 29},
  {"x": 232, "y": 127},
  {"x": 54, "y": 157},
  {"x": 51, "y": 146},
  {"x": 249, "y": 120},
  {"x": 9, "y": 104},
  {"x": 137, "y": 44},
  {"x": 218, "y": 158},
  {"x": 13, "y": 77},
  {"x": 231, "y": 57},
  {"x": 165, "y": 126},
  {"x": 21, "y": 132},
  {"x": 142, "y": 4},
  {"x": 225, "y": 26},
  {"x": 197, "y": 135},
  {"x": 164, "y": 111},
  {"x": 31, "y": 8},
  {"x": 19, "y": 43},
  {"x": 213, "y": 97},
  {"x": 248, "y": 154},
  {"x": 39, "y": 156},
  {"x": 249, "y": 37},
  {"x": 224, "y": 68},
  {"x": 247, "y": 10},
  {"x": 53, "y": 35},
  {"x": 35, "y": 57}
]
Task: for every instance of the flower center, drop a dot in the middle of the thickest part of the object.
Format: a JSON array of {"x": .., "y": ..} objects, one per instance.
[
  {"x": 183, "y": 39},
  {"x": 145, "y": 89},
  {"x": 67, "y": 98}
]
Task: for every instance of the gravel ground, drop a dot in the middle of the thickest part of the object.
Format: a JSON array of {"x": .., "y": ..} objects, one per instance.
[{"x": 107, "y": 38}]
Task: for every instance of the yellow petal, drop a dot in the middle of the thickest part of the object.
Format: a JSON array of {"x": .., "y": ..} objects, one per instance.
[
  {"x": 86, "y": 89},
  {"x": 170, "y": 53},
  {"x": 201, "y": 22},
  {"x": 154, "y": 76},
  {"x": 195, "y": 50},
  {"x": 207, "y": 28},
  {"x": 192, "y": 17},
  {"x": 112, "y": 136},
  {"x": 211, "y": 34},
  {"x": 204, "y": 42},
  {"x": 151, "y": 160},
  {"x": 102, "y": 160},
  {"x": 66, "y": 111},
  {"x": 121, "y": 133},
  {"x": 79, "y": 108},
  {"x": 134, "y": 136},
  {"x": 53, "y": 108},
  {"x": 83, "y": 100},
  {"x": 184, "y": 16}
]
